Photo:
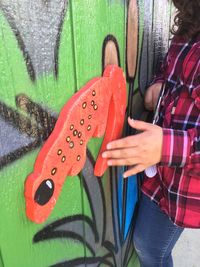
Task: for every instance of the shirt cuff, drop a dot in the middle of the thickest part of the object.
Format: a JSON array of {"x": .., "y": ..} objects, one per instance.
[{"x": 176, "y": 148}]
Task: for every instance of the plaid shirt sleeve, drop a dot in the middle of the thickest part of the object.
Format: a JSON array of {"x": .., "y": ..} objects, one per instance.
[
  {"x": 176, "y": 148},
  {"x": 182, "y": 148}
]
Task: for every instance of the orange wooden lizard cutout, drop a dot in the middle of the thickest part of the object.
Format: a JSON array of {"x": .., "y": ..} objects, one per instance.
[{"x": 96, "y": 109}]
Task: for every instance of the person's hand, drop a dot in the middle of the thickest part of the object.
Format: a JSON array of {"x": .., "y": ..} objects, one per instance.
[
  {"x": 151, "y": 96},
  {"x": 139, "y": 151}
]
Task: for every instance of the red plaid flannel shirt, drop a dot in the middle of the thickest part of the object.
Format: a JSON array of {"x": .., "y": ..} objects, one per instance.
[{"x": 176, "y": 186}]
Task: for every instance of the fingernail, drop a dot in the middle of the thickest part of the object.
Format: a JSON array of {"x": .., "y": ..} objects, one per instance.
[
  {"x": 108, "y": 146},
  {"x": 131, "y": 119},
  {"x": 104, "y": 155},
  {"x": 124, "y": 175},
  {"x": 109, "y": 162}
]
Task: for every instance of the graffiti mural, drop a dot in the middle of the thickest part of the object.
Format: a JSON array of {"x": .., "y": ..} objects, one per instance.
[{"x": 48, "y": 51}]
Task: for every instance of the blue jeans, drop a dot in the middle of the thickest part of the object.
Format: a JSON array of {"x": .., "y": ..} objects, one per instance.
[{"x": 155, "y": 235}]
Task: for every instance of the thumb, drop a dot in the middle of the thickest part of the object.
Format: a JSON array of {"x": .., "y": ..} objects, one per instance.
[{"x": 138, "y": 125}]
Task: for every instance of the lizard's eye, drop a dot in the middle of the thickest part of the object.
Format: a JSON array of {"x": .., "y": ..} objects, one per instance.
[{"x": 44, "y": 192}]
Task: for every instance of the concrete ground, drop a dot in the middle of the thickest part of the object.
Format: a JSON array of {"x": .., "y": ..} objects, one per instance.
[{"x": 187, "y": 250}]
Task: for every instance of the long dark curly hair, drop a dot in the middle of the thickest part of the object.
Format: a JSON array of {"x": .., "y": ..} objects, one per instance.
[{"x": 187, "y": 19}]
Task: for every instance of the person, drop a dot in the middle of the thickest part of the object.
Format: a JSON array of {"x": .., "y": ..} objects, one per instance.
[{"x": 170, "y": 200}]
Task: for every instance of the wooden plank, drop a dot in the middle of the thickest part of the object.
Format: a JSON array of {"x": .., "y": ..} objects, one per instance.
[
  {"x": 98, "y": 42},
  {"x": 36, "y": 103}
]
